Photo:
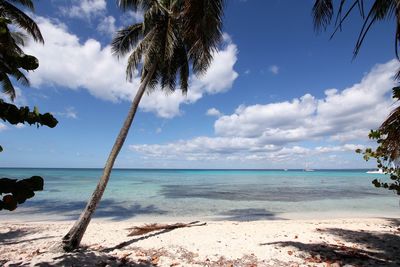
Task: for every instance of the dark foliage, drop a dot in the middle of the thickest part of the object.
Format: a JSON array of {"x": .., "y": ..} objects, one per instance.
[
  {"x": 18, "y": 191},
  {"x": 13, "y": 61},
  {"x": 15, "y": 115}
]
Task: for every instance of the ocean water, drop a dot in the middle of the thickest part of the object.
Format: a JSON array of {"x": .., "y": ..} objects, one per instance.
[{"x": 237, "y": 195}]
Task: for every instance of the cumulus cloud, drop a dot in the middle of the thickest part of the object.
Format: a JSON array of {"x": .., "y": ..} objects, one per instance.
[
  {"x": 341, "y": 115},
  {"x": 278, "y": 132},
  {"x": 66, "y": 61},
  {"x": 85, "y": 8},
  {"x": 213, "y": 112},
  {"x": 107, "y": 25},
  {"x": 130, "y": 17},
  {"x": 203, "y": 147}
]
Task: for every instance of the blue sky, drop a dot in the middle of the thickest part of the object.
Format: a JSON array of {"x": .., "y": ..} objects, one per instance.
[{"x": 277, "y": 95}]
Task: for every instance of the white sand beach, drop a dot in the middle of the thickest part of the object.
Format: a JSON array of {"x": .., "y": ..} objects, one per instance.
[{"x": 318, "y": 242}]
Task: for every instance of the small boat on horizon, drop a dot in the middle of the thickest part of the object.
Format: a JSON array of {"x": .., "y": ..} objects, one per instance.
[
  {"x": 307, "y": 168},
  {"x": 377, "y": 171}
]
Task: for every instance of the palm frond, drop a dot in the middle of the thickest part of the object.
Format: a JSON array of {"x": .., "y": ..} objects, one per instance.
[
  {"x": 126, "y": 39},
  {"x": 25, "y": 3},
  {"x": 7, "y": 86},
  {"x": 21, "y": 20},
  {"x": 322, "y": 14},
  {"x": 340, "y": 19},
  {"x": 20, "y": 77},
  {"x": 135, "y": 4},
  {"x": 391, "y": 128},
  {"x": 380, "y": 10},
  {"x": 176, "y": 34},
  {"x": 202, "y": 31},
  {"x": 136, "y": 56},
  {"x": 19, "y": 38}
]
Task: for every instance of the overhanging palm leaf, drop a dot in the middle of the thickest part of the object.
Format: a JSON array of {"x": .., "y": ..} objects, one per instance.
[
  {"x": 12, "y": 57},
  {"x": 7, "y": 86},
  {"x": 19, "y": 18},
  {"x": 323, "y": 12},
  {"x": 26, "y": 3}
]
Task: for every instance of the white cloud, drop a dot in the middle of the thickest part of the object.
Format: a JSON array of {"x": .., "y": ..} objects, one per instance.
[
  {"x": 67, "y": 62},
  {"x": 69, "y": 113},
  {"x": 203, "y": 147},
  {"x": 107, "y": 26},
  {"x": 274, "y": 69},
  {"x": 130, "y": 17},
  {"x": 85, "y": 8},
  {"x": 292, "y": 132},
  {"x": 341, "y": 115},
  {"x": 20, "y": 126},
  {"x": 213, "y": 112},
  {"x": 3, "y": 127}
]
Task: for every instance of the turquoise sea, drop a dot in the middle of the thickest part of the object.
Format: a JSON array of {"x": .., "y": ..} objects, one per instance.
[{"x": 238, "y": 195}]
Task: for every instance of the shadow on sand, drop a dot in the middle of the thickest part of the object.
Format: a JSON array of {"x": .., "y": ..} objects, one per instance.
[
  {"x": 13, "y": 237},
  {"x": 244, "y": 215},
  {"x": 13, "y": 234},
  {"x": 134, "y": 240},
  {"x": 367, "y": 249},
  {"x": 87, "y": 258},
  {"x": 70, "y": 210}
]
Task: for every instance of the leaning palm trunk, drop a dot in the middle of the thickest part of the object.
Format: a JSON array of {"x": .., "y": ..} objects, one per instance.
[{"x": 73, "y": 238}]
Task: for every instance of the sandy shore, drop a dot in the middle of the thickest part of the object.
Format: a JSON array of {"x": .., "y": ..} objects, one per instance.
[{"x": 337, "y": 242}]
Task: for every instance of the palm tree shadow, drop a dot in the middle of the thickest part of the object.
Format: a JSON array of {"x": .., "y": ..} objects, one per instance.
[
  {"x": 87, "y": 258},
  {"x": 367, "y": 249},
  {"x": 13, "y": 237},
  {"x": 134, "y": 240},
  {"x": 12, "y": 234}
]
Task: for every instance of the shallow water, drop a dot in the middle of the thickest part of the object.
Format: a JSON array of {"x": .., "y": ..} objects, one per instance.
[{"x": 214, "y": 194}]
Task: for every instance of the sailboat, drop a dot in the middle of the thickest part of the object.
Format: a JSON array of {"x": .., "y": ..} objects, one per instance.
[{"x": 307, "y": 169}]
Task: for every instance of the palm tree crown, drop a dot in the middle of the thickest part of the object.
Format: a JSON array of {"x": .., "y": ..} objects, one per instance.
[
  {"x": 173, "y": 36},
  {"x": 12, "y": 58}
]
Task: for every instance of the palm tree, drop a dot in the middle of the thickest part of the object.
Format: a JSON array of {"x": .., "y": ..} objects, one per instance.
[
  {"x": 12, "y": 58},
  {"x": 174, "y": 35},
  {"x": 378, "y": 10}
]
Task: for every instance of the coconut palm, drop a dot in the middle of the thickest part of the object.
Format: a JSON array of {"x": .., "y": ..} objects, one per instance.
[
  {"x": 174, "y": 36},
  {"x": 12, "y": 58},
  {"x": 377, "y": 10}
]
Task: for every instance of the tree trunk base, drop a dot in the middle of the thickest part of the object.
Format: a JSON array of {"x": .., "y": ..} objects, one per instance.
[{"x": 70, "y": 242}]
